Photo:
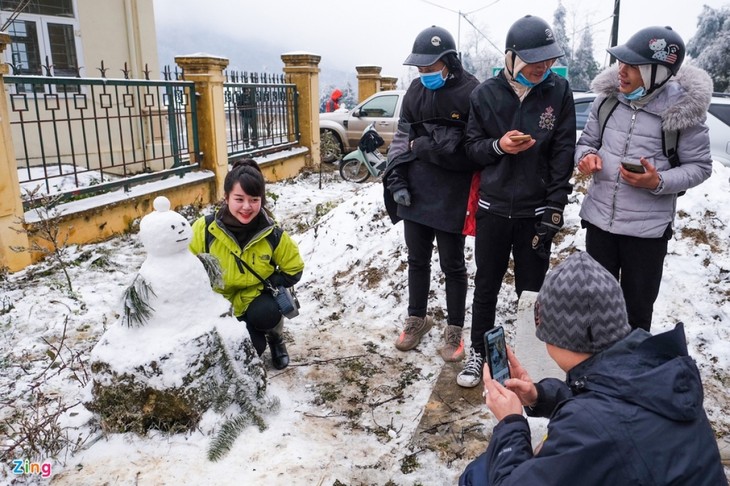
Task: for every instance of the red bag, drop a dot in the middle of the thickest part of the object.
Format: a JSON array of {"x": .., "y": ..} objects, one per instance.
[{"x": 470, "y": 221}]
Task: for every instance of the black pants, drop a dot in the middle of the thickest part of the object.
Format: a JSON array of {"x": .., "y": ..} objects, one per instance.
[
  {"x": 261, "y": 316},
  {"x": 637, "y": 263},
  {"x": 496, "y": 238},
  {"x": 419, "y": 240},
  {"x": 249, "y": 126}
]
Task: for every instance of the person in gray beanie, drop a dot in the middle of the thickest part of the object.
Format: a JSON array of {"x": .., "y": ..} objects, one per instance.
[
  {"x": 582, "y": 308},
  {"x": 629, "y": 411}
]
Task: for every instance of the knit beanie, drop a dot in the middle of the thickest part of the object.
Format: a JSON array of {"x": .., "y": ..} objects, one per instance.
[{"x": 581, "y": 307}]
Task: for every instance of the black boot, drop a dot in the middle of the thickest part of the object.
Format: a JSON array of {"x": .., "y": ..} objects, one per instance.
[{"x": 279, "y": 354}]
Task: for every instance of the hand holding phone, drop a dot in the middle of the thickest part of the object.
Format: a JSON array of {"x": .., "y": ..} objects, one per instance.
[
  {"x": 635, "y": 168},
  {"x": 520, "y": 138},
  {"x": 496, "y": 347}
]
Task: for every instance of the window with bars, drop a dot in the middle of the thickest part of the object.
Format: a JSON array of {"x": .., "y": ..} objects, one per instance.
[
  {"x": 56, "y": 8},
  {"x": 43, "y": 39}
]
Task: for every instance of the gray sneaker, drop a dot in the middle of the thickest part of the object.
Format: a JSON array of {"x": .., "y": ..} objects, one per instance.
[
  {"x": 471, "y": 376},
  {"x": 453, "y": 348},
  {"x": 416, "y": 328}
]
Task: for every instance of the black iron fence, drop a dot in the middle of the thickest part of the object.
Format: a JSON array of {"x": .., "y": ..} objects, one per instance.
[
  {"x": 81, "y": 136},
  {"x": 75, "y": 137},
  {"x": 261, "y": 113}
]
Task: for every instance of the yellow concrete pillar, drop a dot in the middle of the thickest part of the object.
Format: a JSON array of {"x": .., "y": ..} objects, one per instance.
[
  {"x": 11, "y": 205},
  {"x": 207, "y": 73},
  {"x": 388, "y": 82},
  {"x": 368, "y": 81},
  {"x": 302, "y": 69}
]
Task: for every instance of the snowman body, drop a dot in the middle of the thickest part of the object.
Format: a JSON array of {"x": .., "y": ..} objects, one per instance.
[{"x": 180, "y": 285}]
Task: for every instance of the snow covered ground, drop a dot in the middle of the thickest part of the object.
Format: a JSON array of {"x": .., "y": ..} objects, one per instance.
[{"x": 350, "y": 402}]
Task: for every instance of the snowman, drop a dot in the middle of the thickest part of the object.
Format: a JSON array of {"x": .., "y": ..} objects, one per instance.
[
  {"x": 171, "y": 300},
  {"x": 172, "y": 283},
  {"x": 177, "y": 353}
]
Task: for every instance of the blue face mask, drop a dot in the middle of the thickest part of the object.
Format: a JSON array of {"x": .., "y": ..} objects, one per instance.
[
  {"x": 525, "y": 82},
  {"x": 432, "y": 80},
  {"x": 636, "y": 94}
]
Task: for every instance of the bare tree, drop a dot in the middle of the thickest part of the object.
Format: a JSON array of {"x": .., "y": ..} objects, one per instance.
[{"x": 48, "y": 230}]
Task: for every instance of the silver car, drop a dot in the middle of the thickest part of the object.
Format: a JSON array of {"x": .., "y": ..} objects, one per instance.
[{"x": 341, "y": 130}]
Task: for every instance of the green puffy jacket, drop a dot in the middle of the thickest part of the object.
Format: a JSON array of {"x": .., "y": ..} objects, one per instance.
[{"x": 238, "y": 287}]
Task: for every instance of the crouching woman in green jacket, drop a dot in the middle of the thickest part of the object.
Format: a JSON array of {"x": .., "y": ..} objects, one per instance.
[{"x": 243, "y": 231}]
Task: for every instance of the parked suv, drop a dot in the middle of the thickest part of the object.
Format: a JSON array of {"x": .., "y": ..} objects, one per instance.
[
  {"x": 340, "y": 131},
  {"x": 718, "y": 121}
]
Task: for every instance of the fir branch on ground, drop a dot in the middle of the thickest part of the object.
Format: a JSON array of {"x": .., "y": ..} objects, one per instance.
[
  {"x": 242, "y": 392},
  {"x": 227, "y": 436}
]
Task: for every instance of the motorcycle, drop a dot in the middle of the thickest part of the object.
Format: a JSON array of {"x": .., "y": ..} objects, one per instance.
[{"x": 366, "y": 160}]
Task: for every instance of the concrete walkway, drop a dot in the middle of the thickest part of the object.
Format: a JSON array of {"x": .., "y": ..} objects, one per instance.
[{"x": 455, "y": 422}]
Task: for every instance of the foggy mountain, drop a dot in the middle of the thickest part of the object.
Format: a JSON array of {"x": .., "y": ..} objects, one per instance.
[{"x": 256, "y": 55}]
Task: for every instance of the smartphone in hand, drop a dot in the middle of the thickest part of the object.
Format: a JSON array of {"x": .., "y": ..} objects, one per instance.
[
  {"x": 635, "y": 168},
  {"x": 496, "y": 347},
  {"x": 520, "y": 138}
]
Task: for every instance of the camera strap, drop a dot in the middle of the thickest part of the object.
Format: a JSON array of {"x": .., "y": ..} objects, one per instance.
[{"x": 266, "y": 283}]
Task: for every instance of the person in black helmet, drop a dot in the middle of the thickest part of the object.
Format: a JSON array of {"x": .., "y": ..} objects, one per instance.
[
  {"x": 521, "y": 132},
  {"x": 427, "y": 184},
  {"x": 630, "y": 205}
]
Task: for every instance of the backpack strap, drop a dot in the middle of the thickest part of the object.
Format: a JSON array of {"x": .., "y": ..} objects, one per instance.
[
  {"x": 208, "y": 235},
  {"x": 274, "y": 237},
  {"x": 670, "y": 140},
  {"x": 605, "y": 109}
]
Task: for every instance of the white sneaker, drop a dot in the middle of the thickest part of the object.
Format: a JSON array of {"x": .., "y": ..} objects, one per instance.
[{"x": 471, "y": 376}]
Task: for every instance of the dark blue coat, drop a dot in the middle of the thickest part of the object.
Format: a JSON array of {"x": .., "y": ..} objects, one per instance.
[{"x": 632, "y": 415}]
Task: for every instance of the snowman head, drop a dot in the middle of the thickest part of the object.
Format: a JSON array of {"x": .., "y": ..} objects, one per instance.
[{"x": 164, "y": 232}]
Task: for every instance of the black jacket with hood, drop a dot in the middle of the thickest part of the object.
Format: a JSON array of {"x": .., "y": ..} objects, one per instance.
[
  {"x": 520, "y": 185},
  {"x": 436, "y": 170},
  {"x": 631, "y": 414}
]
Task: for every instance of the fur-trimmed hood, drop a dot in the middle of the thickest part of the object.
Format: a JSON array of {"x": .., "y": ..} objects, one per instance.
[{"x": 680, "y": 103}]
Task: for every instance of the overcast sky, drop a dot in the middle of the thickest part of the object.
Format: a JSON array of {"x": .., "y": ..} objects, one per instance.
[{"x": 381, "y": 32}]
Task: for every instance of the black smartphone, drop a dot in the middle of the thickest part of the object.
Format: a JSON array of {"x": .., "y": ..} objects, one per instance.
[
  {"x": 497, "y": 354},
  {"x": 638, "y": 169}
]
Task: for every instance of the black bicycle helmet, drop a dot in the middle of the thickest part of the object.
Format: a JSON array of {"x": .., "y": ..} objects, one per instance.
[
  {"x": 532, "y": 39},
  {"x": 430, "y": 46},
  {"x": 652, "y": 45}
]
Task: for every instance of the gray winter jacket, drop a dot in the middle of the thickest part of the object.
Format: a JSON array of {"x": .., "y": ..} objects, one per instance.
[{"x": 630, "y": 133}]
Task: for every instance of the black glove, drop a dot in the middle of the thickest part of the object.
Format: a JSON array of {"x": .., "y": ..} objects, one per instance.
[
  {"x": 402, "y": 197},
  {"x": 546, "y": 229},
  {"x": 277, "y": 280}
]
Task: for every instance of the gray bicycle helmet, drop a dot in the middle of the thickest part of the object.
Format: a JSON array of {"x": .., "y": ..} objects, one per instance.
[
  {"x": 430, "y": 45},
  {"x": 532, "y": 39}
]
